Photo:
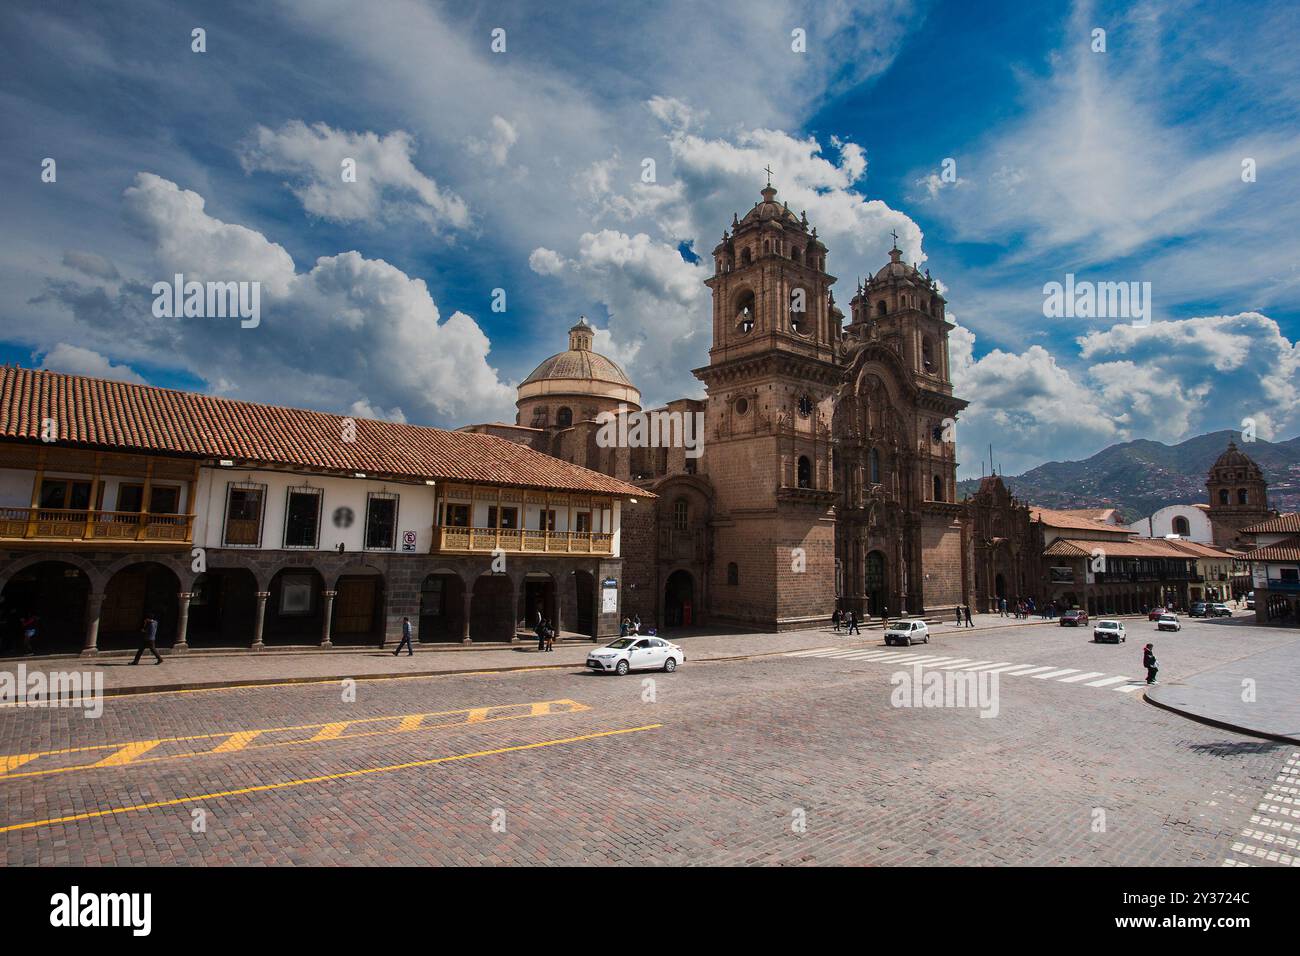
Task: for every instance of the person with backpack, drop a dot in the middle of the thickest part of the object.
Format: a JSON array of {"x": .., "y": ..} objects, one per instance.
[
  {"x": 1150, "y": 663},
  {"x": 835, "y": 620}
]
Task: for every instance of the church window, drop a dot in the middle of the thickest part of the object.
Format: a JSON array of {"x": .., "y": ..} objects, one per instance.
[
  {"x": 733, "y": 573},
  {"x": 873, "y": 466},
  {"x": 1181, "y": 526},
  {"x": 805, "y": 405},
  {"x": 746, "y": 257},
  {"x": 927, "y": 354},
  {"x": 742, "y": 406},
  {"x": 805, "y": 472},
  {"x": 880, "y": 307},
  {"x": 938, "y": 488},
  {"x": 1223, "y": 496},
  {"x": 681, "y": 515},
  {"x": 1241, "y": 496},
  {"x": 796, "y": 254},
  {"x": 564, "y": 417}
]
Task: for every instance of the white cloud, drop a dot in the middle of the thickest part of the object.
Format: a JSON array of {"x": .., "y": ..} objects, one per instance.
[
  {"x": 496, "y": 146},
  {"x": 91, "y": 264},
  {"x": 74, "y": 360},
  {"x": 388, "y": 186},
  {"x": 349, "y": 333},
  {"x": 1168, "y": 382}
]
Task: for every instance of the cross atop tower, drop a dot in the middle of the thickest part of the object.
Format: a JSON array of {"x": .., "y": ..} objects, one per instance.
[
  {"x": 768, "y": 169},
  {"x": 895, "y": 235}
]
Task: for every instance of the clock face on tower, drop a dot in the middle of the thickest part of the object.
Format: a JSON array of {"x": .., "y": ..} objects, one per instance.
[{"x": 805, "y": 405}]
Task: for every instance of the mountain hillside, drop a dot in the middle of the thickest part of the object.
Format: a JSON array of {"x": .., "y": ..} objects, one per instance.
[{"x": 1140, "y": 476}]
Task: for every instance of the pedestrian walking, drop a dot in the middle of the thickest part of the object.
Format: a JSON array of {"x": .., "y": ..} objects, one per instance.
[
  {"x": 550, "y": 637},
  {"x": 1150, "y": 663},
  {"x": 853, "y": 623},
  {"x": 959, "y": 615},
  {"x": 149, "y": 638},
  {"x": 29, "y": 627},
  {"x": 835, "y": 620},
  {"x": 1002, "y": 606},
  {"x": 969, "y": 622},
  {"x": 636, "y": 624},
  {"x": 624, "y": 627},
  {"x": 540, "y": 631},
  {"x": 406, "y": 639}
]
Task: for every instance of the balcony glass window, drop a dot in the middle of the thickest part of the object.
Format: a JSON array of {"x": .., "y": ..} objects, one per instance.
[
  {"x": 583, "y": 519},
  {"x": 546, "y": 520},
  {"x": 65, "y": 493},
  {"x": 509, "y": 517},
  {"x": 456, "y": 516},
  {"x": 381, "y": 522},
  {"x": 163, "y": 499}
]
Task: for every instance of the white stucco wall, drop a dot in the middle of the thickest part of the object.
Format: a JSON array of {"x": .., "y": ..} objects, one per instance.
[{"x": 1162, "y": 523}]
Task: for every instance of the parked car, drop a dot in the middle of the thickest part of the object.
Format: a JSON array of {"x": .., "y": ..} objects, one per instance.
[
  {"x": 1109, "y": 632},
  {"x": 1075, "y": 618},
  {"x": 1168, "y": 622},
  {"x": 636, "y": 654},
  {"x": 1250, "y": 601},
  {"x": 1218, "y": 610},
  {"x": 907, "y": 633},
  {"x": 1155, "y": 612},
  {"x": 1197, "y": 609}
]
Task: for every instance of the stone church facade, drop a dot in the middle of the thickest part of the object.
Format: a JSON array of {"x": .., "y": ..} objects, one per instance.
[{"x": 828, "y": 473}]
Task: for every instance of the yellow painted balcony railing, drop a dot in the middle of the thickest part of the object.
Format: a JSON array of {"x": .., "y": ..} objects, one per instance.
[
  {"x": 67, "y": 524},
  {"x": 510, "y": 539}
]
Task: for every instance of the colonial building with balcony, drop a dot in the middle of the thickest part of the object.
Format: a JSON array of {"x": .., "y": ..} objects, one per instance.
[
  {"x": 256, "y": 525},
  {"x": 1275, "y": 569}
]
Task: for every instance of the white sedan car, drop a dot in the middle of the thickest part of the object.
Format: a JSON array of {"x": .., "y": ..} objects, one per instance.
[
  {"x": 636, "y": 654},
  {"x": 907, "y": 633},
  {"x": 1168, "y": 622}
]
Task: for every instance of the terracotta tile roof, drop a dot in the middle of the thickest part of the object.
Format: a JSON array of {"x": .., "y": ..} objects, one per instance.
[
  {"x": 1096, "y": 514},
  {"x": 1288, "y": 549},
  {"x": 1072, "y": 519},
  {"x": 1288, "y": 523},
  {"x": 1197, "y": 549},
  {"x": 95, "y": 413},
  {"x": 1138, "y": 548}
]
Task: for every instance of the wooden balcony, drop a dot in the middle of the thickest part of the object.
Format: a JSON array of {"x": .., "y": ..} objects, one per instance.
[
  {"x": 100, "y": 527},
  {"x": 484, "y": 540}
]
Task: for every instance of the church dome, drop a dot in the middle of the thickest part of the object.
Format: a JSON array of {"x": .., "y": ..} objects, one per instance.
[
  {"x": 1233, "y": 457},
  {"x": 579, "y": 361},
  {"x": 579, "y": 372},
  {"x": 770, "y": 209}
]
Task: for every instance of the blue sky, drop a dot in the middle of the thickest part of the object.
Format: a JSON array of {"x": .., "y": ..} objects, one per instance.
[{"x": 522, "y": 171}]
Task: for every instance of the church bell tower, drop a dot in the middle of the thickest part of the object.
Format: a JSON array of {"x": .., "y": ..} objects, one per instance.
[{"x": 770, "y": 380}]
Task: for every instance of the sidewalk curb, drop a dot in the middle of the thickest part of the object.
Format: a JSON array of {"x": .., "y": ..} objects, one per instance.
[{"x": 1221, "y": 724}]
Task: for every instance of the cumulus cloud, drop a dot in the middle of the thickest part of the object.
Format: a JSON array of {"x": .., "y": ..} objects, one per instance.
[
  {"x": 388, "y": 186},
  {"x": 74, "y": 360},
  {"x": 348, "y": 334},
  {"x": 1168, "y": 381},
  {"x": 659, "y": 314}
]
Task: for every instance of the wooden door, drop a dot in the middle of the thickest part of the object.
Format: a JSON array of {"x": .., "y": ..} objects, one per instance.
[{"x": 354, "y": 608}]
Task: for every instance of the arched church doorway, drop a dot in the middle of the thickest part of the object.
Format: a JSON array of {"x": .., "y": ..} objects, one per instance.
[
  {"x": 679, "y": 600},
  {"x": 874, "y": 585},
  {"x": 999, "y": 587}
]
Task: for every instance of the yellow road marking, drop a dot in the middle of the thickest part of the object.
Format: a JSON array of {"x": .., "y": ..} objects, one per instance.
[
  {"x": 127, "y": 753},
  {"x": 236, "y": 742},
  {"x": 233, "y": 741},
  {"x": 344, "y": 775}
]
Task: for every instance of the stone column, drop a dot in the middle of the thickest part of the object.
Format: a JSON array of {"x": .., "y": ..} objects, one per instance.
[
  {"x": 180, "y": 645},
  {"x": 260, "y": 620},
  {"x": 94, "y": 604},
  {"x": 329, "y": 618},
  {"x": 464, "y": 624}
]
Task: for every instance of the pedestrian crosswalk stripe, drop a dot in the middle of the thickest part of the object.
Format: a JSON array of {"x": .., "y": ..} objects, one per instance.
[
  {"x": 1064, "y": 675},
  {"x": 1079, "y": 677},
  {"x": 1106, "y": 681}
]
